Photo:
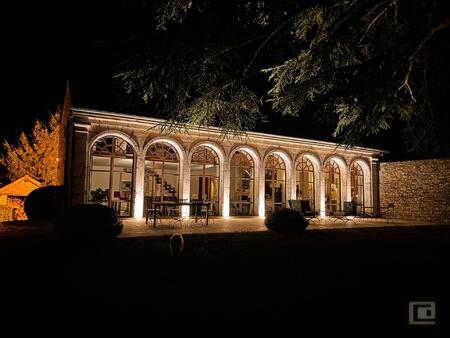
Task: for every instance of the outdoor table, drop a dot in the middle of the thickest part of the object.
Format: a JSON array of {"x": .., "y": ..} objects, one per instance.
[
  {"x": 342, "y": 216},
  {"x": 199, "y": 203}
]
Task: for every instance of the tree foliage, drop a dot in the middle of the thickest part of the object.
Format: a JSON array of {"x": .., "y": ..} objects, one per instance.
[
  {"x": 36, "y": 155},
  {"x": 364, "y": 64}
]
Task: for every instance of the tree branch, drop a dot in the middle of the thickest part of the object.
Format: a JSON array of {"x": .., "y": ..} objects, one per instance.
[
  {"x": 393, "y": 3},
  {"x": 412, "y": 56},
  {"x": 239, "y": 45},
  {"x": 269, "y": 37}
]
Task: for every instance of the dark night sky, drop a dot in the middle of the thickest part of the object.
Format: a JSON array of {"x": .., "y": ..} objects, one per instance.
[{"x": 46, "y": 43}]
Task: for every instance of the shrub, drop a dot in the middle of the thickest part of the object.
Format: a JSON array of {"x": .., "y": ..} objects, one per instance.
[
  {"x": 5, "y": 213},
  {"x": 44, "y": 203},
  {"x": 88, "y": 222},
  {"x": 286, "y": 220}
]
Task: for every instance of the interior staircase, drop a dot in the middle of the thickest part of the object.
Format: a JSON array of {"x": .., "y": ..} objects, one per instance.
[{"x": 167, "y": 186}]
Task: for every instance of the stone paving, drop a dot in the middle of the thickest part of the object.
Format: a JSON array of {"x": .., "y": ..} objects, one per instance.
[{"x": 137, "y": 227}]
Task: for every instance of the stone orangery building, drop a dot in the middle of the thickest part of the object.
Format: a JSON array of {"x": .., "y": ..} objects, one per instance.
[{"x": 127, "y": 157}]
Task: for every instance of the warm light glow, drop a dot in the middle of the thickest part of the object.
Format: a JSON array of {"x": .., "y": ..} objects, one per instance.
[
  {"x": 261, "y": 211},
  {"x": 226, "y": 210},
  {"x": 322, "y": 202},
  {"x": 185, "y": 211},
  {"x": 139, "y": 206}
]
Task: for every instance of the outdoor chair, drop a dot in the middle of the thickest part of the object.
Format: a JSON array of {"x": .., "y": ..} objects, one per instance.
[
  {"x": 303, "y": 207},
  {"x": 308, "y": 212},
  {"x": 296, "y": 205},
  {"x": 207, "y": 209},
  {"x": 349, "y": 208},
  {"x": 349, "y": 213},
  {"x": 151, "y": 210}
]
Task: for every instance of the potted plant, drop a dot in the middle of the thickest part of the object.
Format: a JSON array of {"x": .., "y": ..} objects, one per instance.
[{"x": 99, "y": 195}]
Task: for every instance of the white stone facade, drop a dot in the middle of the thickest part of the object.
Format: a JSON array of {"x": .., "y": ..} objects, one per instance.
[{"x": 140, "y": 132}]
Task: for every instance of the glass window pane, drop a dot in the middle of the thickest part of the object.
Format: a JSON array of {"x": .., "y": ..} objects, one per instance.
[
  {"x": 280, "y": 175},
  {"x": 196, "y": 169},
  {"x": 101, "y": 163},
  {"x": 99, "y": 179},
  {"x": 211, "y": 170},
  {"x": 279, "y": 192}
]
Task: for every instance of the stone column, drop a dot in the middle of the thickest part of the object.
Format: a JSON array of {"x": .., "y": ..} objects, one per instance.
[
  {"x": 322, "y": 191},
  {"x": 261, "y": 196},
  {"x": 317, "y": 185},
  {"x": 226, "y": 189},
  {"x": 139, "y": 176},
  {"x": 293, "y": 181},
  {"x": 185, "y": 186},
  {"x": 348, "y": 187},
  {"x": 374, "y": 169},
  {"x": 80, "y": 170}
]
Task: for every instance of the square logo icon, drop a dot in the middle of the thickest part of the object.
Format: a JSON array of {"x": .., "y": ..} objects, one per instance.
[{"x": 422, "y": 313}]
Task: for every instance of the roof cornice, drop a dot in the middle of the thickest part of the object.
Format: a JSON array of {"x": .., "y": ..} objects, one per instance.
[{"x": 144, "y": 120}]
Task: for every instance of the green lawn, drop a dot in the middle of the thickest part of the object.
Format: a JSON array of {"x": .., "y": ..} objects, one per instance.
[{"x": 332, "y": 279}]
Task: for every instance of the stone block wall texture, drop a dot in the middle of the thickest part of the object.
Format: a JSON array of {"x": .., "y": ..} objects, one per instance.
[{"x": 420, "y": 190}]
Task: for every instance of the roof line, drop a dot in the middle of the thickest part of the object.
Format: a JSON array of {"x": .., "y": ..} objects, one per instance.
[{"x": 145, "y": 119}]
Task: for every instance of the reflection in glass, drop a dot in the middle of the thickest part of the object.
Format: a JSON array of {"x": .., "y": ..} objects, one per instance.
[
  {"x": 332, "y": 186},
  {"x": 241, "y": 184},
  {"x": 304, "y": 185},
  {"x": 357, "y": 184},
  {"x": 162, "y": 171},
  {"x": 111, "y": 170},
  {"x": 205, "y": 177},
  {"x": 275, "y": 177}
]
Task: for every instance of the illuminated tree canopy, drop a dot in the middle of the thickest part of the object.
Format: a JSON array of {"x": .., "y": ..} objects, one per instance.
[
  {"x": 364, "y": 65},
  {"x": 37, "y": 155}
]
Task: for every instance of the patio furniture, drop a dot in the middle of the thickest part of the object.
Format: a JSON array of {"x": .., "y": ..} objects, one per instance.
[
  {"x": 303, "y": 207},
  {"x": 196, "y": 204},
  {"x": 348, "y": 215},
  {"x": 342, "y": 216},
  {"x": 151, "y": 210},
  {"x": 207, "y": 211},
  {"x": 308, "y": 212}
]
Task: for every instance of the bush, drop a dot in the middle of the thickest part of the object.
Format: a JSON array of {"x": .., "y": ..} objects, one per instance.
[
  {"x": 88, "y": 222},
  {"x": 44, "y": 203},
  {"x": 286, "y": 220}
]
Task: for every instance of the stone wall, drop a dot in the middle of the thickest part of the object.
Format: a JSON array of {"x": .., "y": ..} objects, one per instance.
[{"x": 420, "y": 190}]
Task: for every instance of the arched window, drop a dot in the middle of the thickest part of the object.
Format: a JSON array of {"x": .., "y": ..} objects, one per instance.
[
  {"x": 332, "y": 186},
  {"x": 304, "y": 180},
  {"x": 242, "y": 184},
  {"x": 275, "y": 183},
  {"x": 111, "y": 174},
  {"x": 205, "y": 176},
  {"x": 357, "y": 183},
  {"x": 162, "y": 172}
]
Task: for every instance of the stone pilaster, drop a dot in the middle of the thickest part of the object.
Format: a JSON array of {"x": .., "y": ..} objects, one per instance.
[
  {"x": 139, "y": 174},
  {"x": 322, "y": 191},
  {"x": 80, "y": 174},
  {"x": 226, "y": 189},
  {"x": 374, "y": 168}
]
